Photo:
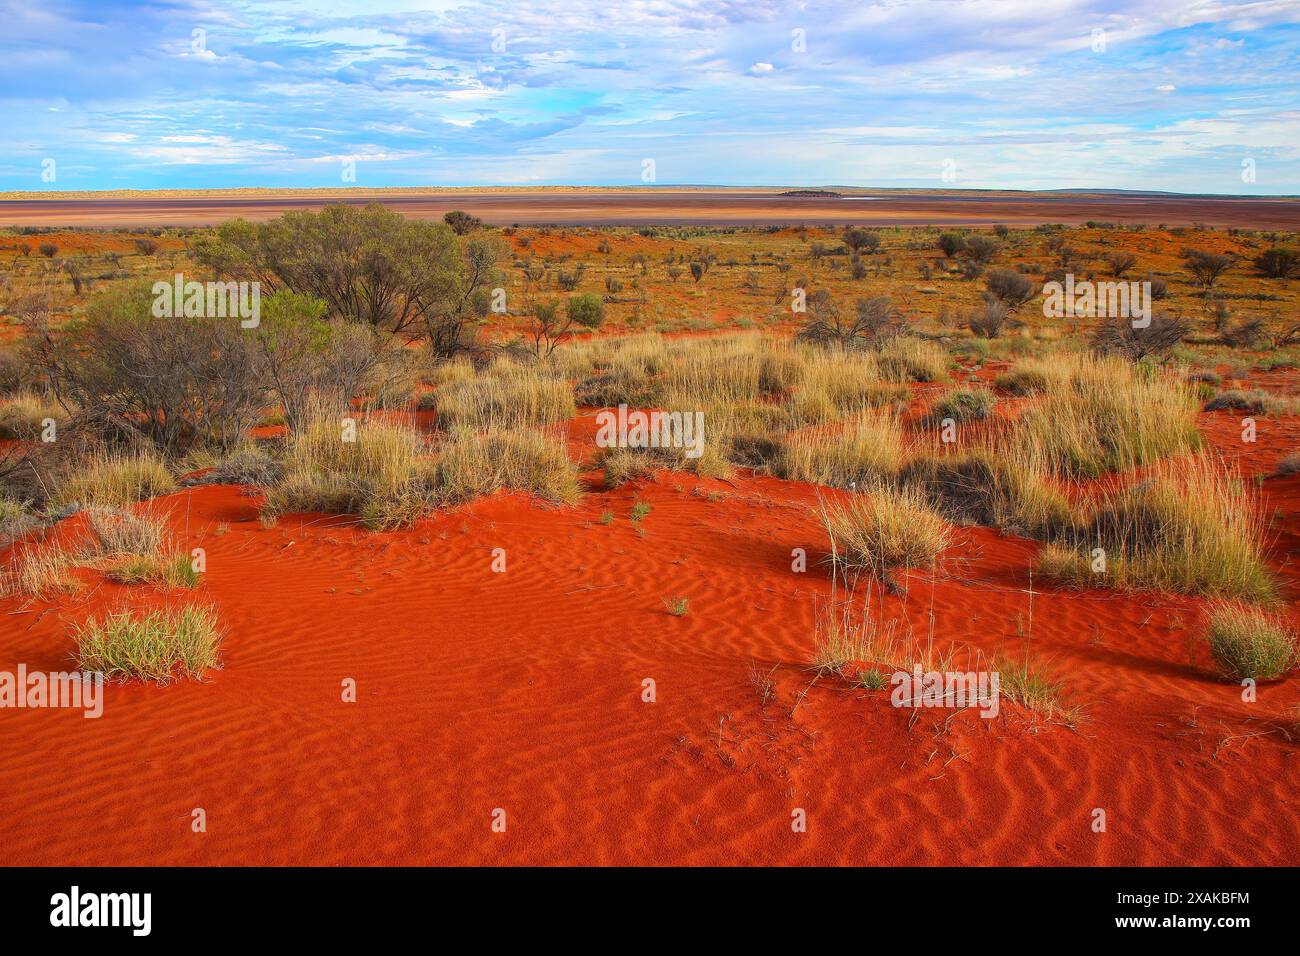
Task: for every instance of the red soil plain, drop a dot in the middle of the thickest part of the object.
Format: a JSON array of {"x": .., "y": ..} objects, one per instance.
[{"x": 523, "y": 691}]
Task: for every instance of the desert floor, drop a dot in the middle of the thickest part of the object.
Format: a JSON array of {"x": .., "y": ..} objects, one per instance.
[{"x": 523, "y": 691}]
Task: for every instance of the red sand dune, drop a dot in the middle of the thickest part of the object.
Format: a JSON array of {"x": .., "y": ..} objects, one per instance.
[{"x": 522, "y": 691}]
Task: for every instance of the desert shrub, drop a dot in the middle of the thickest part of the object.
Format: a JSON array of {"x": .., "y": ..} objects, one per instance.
[
  {"x": 48, "y": 249},
  {"x": 15, "y": 520},
  {"x": 1206, "y": 267},
  {"x": 1191, "y": 526},
  {"x": 951, "y": 243},
  {"x": 873, "y": 323},
  {"x": 1025, "y": 683},
  {"x": 885, "y": 529},
  {"x": 1247, "y": 334},
  {"x": 989, "y": 319},
  {"x": 177, "y": 381},
  {"x": 115, "y": 479},
  {"x": 621, "y": 465},
  {"x": 1009, "y": 287},
  {"x": 461, "y": 222},
  {"x": 369, "y": 264},
  {"x": 1119, "y": 337},
  {"x": 1120, "y": 263},
  {"x": 116, "y": 531},
  {"x": 38, "y": 571},
  {"x": 1248, "y": 643},
  {"x": 980, "y": 248},
  {"x": 508, "y": 395},
  {"x": 158, "y": 645},
  {"x": 586, "y": 310},
  {"x": 15, "y": 372},
  {"x": 472, "y": 464},
  {"x": 291, "y": 349},
  {"x": 1278, "y": 263},
  {"x": 861, "y": 240},
  {"x": 866, "y": 448}
]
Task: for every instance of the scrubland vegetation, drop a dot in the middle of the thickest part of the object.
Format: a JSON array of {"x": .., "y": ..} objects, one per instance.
[{"x": 918, "y": 377}]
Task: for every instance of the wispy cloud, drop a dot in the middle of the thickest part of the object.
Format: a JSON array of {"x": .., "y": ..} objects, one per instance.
[{"x": 1009, "y": 93}]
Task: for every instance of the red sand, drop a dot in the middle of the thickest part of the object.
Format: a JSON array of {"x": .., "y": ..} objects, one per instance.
[{"x": 522, "y": 691}]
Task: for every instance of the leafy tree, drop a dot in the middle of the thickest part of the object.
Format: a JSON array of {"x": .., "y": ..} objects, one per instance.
[{"x": 368, "y": 265}]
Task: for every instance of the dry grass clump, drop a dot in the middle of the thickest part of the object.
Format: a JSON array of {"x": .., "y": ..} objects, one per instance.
[
  {"x": 508, "y": 395},
  {"x": 158, "y": 646},
  {"x": 115, "y": 480},
  {"x": 847, "y": 637},
  {"x": 1007, "y": 489},
  {"x": 1192, "y": 526},
  {"x": 1254, "y": 402},
  {"x": 1027, "y": 378},
  {"x": 963, "y": 405},
  {"x": 15, "y": 520},
  {"x": 1025, "y": 683},
  {"x": 473, "y": 464},
  {"x": 458, "y": 369},
  {"x": 866, "y": 448},
  {"x": 885, "y": 529},
  {"x": 908, "y": 359},
  {"x": 1107, "y": 416},
  {"x": 247, "y": 464},
  {"x": 1246, "y": 642},
  {"x": 130, "y": 548},
  {"x": 1290, "y": 465},
  {"x": 38, "y": 571},
  {"x": 23, "y": 415},
  {"x": 834, "y": 384},
  {"x": 380, "y": 473}
]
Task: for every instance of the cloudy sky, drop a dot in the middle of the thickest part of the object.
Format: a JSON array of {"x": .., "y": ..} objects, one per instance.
[{"x": 1028, "y": 94}]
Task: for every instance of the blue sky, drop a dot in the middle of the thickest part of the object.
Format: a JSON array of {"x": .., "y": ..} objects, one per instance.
[{"x": 1023, "y": 94}]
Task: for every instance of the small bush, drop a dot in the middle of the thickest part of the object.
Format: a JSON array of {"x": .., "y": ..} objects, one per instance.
[
  {"x": 587, "y": 310},
  {"x": 1009, "y": 287},
  {"x": 1278, "y": 263}
]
